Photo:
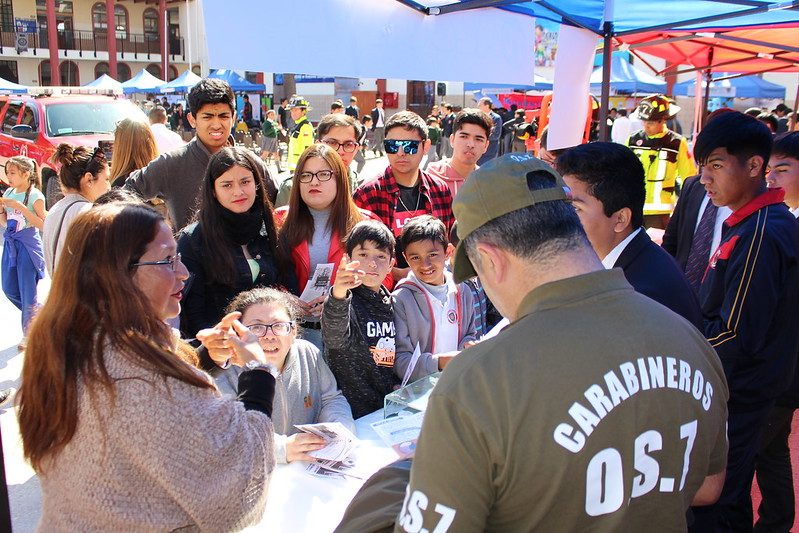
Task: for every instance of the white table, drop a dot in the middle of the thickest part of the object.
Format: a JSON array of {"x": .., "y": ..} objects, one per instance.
[{"x": 299, "y": 501}]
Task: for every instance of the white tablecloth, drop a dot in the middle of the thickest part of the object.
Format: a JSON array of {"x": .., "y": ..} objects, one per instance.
[{"x": 299, "y": 501}]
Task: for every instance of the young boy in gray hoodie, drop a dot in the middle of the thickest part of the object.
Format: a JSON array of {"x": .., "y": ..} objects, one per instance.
[{"x": 430, "y": 309}]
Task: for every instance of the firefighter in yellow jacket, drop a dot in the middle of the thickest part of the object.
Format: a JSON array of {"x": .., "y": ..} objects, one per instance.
[
  {"x": 663, "y": 153},
  {"x": 301, "y": 135}
]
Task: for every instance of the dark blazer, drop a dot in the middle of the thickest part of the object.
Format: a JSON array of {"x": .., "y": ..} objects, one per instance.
[
  {"x": 654, "y": 273},
  {"x": 680, "y": 230},
  {"x": 375, "y": 114},
  {"x": 354, "y": 111}
]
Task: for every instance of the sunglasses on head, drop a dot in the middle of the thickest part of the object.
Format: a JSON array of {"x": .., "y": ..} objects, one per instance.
[{"x": 392, "y": 146}]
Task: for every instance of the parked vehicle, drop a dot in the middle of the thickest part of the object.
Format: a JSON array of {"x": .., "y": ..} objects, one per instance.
[{"x": 34, "y": 125}]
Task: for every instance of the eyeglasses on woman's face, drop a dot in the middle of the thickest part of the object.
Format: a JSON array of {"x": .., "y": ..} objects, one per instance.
[
  {"x": 172, "y": 261},
  {"x": 281, "y": 329},
  {"x": 322, "y": 175}
]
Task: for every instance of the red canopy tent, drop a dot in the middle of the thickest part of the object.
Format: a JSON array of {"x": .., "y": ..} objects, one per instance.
[
  {"x": 746, "y": 51},
  {"x": 740, "y": 50}
]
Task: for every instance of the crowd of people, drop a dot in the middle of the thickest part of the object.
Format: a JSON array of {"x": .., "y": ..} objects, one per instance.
[{"x": 591, "y": 379}]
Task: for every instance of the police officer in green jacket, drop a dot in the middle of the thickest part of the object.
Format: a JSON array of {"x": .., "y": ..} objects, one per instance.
[{"x": 301, "y": 135}]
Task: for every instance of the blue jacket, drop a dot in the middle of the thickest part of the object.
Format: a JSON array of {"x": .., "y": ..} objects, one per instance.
[
  {"x": 31, "y": 240},
  {"x": 748, "y": 298}
]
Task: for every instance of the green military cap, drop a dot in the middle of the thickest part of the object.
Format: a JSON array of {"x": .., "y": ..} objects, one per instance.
[{"x": 495, "y": 189}]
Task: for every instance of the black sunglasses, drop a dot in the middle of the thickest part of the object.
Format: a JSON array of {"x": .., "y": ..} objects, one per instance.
[{"x": 392, "y": 146}]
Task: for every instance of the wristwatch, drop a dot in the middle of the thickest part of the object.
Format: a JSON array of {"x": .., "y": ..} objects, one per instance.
[{"x": 255, "y": 365}]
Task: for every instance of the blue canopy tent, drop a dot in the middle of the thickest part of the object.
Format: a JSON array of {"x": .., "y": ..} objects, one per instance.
[
  {"x": 181, "y": 84},
  {"x": 491, "y": 90},
  {"x": 627, "y": 79},
  {"x": 9, "y": 87},
  {"x": 615, "y": 19},
  {"x": 738, "y": 87},
  {"x": 540, "y": 84},
  {"x": 378, "y": 25},
  {"x": 143, "y": 82},
  {"x": 106, "y": 82},
  {"x": 236, "y": 82}
]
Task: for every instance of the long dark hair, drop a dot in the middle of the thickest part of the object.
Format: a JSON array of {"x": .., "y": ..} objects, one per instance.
[
  {"x": 344, "y": 214},
  {"x": 93, "y": 304},
  {"x": 215, "y": 241}
]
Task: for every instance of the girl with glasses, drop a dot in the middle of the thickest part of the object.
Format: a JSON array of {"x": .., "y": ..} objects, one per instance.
[
  {"x": 84, "y": 177},
  {"x": 123, "y": 430},
  {"x": 232, "y": 244},
  {"x": 313, "y": 225},
  {"x": 306, "y": 391}
]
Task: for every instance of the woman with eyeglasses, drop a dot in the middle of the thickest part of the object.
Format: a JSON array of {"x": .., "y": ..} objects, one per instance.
[
  {"x": 84, "y": 177},
  {"x": 313, "y": 225},
  {"x": 232, "y": 245},
  {"x": 306, "y": 391},
  {"x": 123, "y": 430}
]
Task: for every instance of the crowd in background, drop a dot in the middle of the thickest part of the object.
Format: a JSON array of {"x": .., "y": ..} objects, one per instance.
[{"x": 305, "y": 299}]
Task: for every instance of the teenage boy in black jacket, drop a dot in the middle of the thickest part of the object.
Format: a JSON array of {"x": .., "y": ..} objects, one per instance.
[
  {"x": 358, "y": 319},
  {"x": 748, "y": 297}
]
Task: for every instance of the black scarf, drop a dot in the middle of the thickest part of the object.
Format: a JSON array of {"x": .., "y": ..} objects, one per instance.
[{"x": 243, "y": 228}]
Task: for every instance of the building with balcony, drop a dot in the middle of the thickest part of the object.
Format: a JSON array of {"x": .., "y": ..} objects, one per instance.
[{"x": 66, "y": 42}]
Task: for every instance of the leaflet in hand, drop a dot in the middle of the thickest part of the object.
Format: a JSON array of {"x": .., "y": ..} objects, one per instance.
[
  {"x": 319, "y": 283},
  {"x": 340, "y": 440},
  {"x": 414, "y": 359}
]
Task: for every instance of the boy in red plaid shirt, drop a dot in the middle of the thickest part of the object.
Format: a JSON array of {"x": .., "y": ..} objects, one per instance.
[{"x": 403, "y": 190}]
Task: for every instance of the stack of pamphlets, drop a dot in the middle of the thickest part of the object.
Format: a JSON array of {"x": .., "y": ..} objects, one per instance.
[{"x": 334, "y": 459}]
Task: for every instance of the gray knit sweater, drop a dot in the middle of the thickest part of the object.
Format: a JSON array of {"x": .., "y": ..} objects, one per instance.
[
  {"x": 162, "y": 455},
  {"x": 305, "y": 393}
]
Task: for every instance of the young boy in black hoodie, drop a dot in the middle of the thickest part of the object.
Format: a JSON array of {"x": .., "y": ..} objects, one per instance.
[{"x": 358, "y": 319}]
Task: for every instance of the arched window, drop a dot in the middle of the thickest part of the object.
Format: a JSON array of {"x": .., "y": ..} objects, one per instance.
[
  {"x": 173, "y": 73},
  {"x": 150, "y": 25},
  {"x": 101, "y": 68},
  {"x": 100, "y": 20},
  {"x": 154, "y": 69},
  {"x": 70, "y": 76},
  {"x": 123, "y": 72},
  {"x": 196, "y": 70},
  {"x": 45, "y": 77}
]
